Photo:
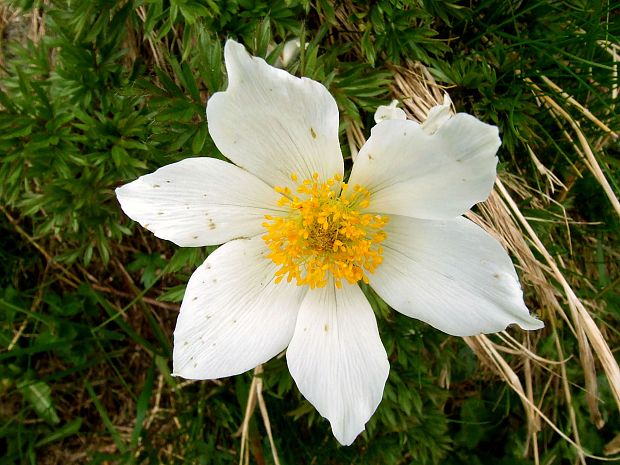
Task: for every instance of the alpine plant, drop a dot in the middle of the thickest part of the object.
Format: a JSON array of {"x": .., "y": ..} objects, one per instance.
[{"x": 298, "y": 238}]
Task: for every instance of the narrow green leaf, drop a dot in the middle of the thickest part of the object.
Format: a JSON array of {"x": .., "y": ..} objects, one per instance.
[
  {"x": 143, "y": 405},
  {"x": 116, "y": 437},
  {"x": 64, "y": 431}
]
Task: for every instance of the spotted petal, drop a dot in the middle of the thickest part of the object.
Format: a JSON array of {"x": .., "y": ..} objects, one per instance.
[
  {"x": 233, "y": 316},
  {"x": 434, "y": 176},
  {"x": 337, "y": 359},
  {"x": 199, "y": 201},
  {"x": 272, "y": 123},
  {"x": 452, "y": 275}
]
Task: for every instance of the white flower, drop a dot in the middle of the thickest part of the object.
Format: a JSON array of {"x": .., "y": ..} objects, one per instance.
[
  {"x": 289, "y": 52},
  {"x": 438, "y": 115},
  {"x": 391, "y": 111},
  {"x": 295, "y": 246}
]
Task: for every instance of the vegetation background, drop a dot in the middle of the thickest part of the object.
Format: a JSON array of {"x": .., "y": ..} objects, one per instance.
[{"x": 96, "y": 93}]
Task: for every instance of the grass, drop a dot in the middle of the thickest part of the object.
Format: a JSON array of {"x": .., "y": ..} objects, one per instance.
[{"x": 94, "y": 94}]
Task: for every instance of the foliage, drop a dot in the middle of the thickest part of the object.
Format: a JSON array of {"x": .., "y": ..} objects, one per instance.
[{"x": 95, "y": 93}]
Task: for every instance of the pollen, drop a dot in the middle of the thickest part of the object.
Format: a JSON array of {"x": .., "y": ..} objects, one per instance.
[{"x": 326, "y": 231}]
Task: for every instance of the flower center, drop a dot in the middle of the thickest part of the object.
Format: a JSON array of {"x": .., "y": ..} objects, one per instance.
[{"x": 324, "y": 232}]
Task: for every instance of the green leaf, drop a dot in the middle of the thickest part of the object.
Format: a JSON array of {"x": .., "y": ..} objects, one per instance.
[
  {"x": 64, "y": 431},
  {"x": 39, "y": 395},
  {"x": 199, "y": 139},
  {"x": 262, "y": 37},
  {"x": 173, "y": 294},
  {"x": 143, "y": 405},
  {"x": 116, "y": 437}
]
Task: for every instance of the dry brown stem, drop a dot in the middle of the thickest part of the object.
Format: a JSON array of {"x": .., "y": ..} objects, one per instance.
[{"x": 255, "y": 395}]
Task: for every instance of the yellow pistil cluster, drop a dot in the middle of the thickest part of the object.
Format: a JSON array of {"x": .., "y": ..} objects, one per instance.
[{"x": 324, "y": 232}]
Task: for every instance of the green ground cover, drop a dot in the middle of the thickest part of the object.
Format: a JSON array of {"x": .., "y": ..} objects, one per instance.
[{"x": 94, "y": 94}]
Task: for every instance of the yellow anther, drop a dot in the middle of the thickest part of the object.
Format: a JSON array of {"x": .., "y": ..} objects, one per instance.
[{"x": 324, "y": 234}]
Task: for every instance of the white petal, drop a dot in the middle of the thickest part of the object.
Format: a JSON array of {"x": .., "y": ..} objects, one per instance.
[
  {"x": 433, "y": 176},
  {"x": 274, "y": 124},
  {"x": 290, "y": 51},
  {"x": 452, "y": 275},
  {"x": 337, "y": 359},
  {"x": 390, "y": 111},
  {"x": 233, "y": 315},
  {"x": 438, "y": 115},
  {"x": 199, "y": 201}
]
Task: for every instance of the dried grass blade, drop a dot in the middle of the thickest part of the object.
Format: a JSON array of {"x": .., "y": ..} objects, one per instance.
[
  {"x": 590, "y": 159},
  {"x": 579, "y": 106},
  {"x": 580, "y": 315},
  {"x": 264, "y": 414}
]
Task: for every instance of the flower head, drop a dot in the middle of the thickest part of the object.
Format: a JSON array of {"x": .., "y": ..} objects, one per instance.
[
  {"x": 325, "y": 233},
  {"x": 297, "y": 239}
]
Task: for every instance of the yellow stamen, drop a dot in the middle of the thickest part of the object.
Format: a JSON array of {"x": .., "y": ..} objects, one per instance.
[{"x": 324, "y": 233}]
